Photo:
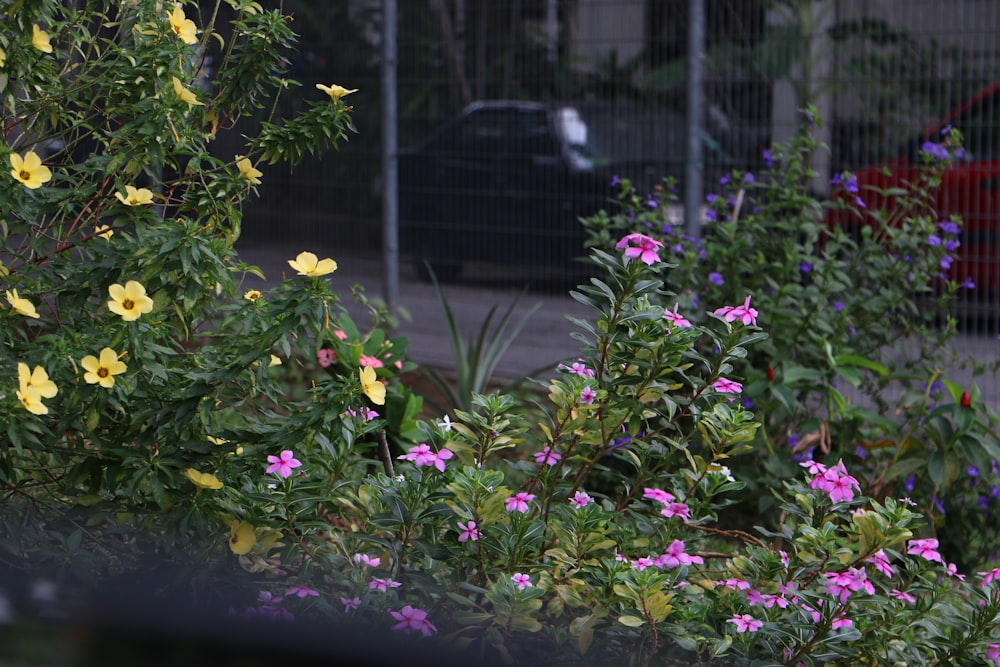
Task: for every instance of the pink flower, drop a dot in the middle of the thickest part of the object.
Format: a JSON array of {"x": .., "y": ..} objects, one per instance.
[
  {"x": 784, "y": 558},
  {"x": 413, "y": 620},
  {"x": 547, "y": 456},
  {"x": 640, "y": 246},
  {"x": 835, "y": 481},
  {"x": 365, "y": 559},
  {"x": 772, "y": 600},
  {"x": 383, "y": 585},
  {"x": 522, "y": 581},
  {"x": 841, "y": 622},
  {"x": 302, "y": 592},
  {"x": 325, "y": 356},
  {"x": 727, "y": 386},
  {"x": 365, "y": 413},
  {"x": 905, "y": 597},
  {"x": 468, "y": 531},
  {"x": 577, "y": 368},
  {"x": 423, "y": 455},
  {"x": 746, "y": 623},
  {"x": 843, "y": 584},
  {"x": 659, "y": 495},
  {"x": 340, "y": 334},
  {"x": 754, "y": 597},
  {"x": 735, "y": 584},
  {"x": 743, "y": 313},
  {"x": 519, "y": 502},
  {"x": 284, "y": 464},
  {"x": 677, "y": 509},
  {"x": 642, "y": 563},
  {"x": 372, "y": 362},
  {"x": 881, "y": 562},
  {"x": 674, "y": 318},
  {"x": 952, "y": 571},
  {"x": 587, "y": 395},
  {"x": 993, "y": 653},
  {"x": 674, "y": 556},
  {"x": 581, "y": 499},
  {"x": 926, "y": 549},
  {"x": 350, "y": 604},
  {"x": 992, "y": 575}
]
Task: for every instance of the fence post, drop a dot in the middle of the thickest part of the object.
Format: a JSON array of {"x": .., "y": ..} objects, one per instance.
[
  {"x": 390, "y": 165},
  {"x": 694, "y": 170}
]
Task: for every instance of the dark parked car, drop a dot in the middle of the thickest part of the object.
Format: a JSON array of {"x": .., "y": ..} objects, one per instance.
[
  {"x": 969, "y": 188},
  {"x": 508, "y": 181}
]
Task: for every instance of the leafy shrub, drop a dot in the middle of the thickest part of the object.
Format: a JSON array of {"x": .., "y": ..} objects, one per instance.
[
  {"x": 856, "y": 305},
  {"x": 153, "y": 427}
]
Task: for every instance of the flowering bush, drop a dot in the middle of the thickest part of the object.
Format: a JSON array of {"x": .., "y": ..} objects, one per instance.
[
  {"x": 151, "y": 430},
  {"x": 855, "y": 364}
]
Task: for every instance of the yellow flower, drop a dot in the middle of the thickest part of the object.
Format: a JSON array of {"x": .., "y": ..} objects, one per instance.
[
  {"x": 104, "y": 231},
  {"x": 130, "y": 301},
  {"x": 203, "y": 480},
  {"x": 36, "y": 379},
  {"x": 32, "y": 401},
  {"x": 102, "y": 371},
  {"x": 252, "y": 295},
  {"x": 182, "y": 26},
  {"x": 275, "y": 361},
  {"x": 135, "y": 196},
  {"x": 3, "y": 57},
  {"x": 33, "y": 386},
  {"x": 241, "y": 537},
  {"x": 307, "y": 264},
  {"x": 21, "y": 306},
  {"x": 370, "y": 385},
  {"x": 334, "y": 91},
  {"x": 4, "y": 271},
  {"x": 40, "y": 39},
  {"x": 29, "y": 170},
  {"x": 185, "y": 94},
  {"x": 247, "y": 170}
]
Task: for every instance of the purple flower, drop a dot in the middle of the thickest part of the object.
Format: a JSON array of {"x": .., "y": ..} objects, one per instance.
[
  {"x": 716, "y": 278},
  {"x": 851, "y": 184},
  {"x": 972, "y": 471},
  {"x": 711, "y": 216},
  {"x": 768, "y": 158},
  {"x": 724, "y": 180},
  {"x": 748, "y": 178},
  {"x": 935, "y": 150},
  {"x": 651, "y": 203},
  {"x": 948, "y": 227},
  {"x": 806, "y": 267},
  {"x": 838, "y": 306},
  {"x": 284, "y": 464},
  {"x": 968, "y": 284},
  {"x": 934, "y": 241},
  {"x": 615, "y": 181},
  {"x": 909, "y": 483}
]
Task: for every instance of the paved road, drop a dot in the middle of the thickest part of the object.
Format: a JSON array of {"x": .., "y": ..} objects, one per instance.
[{"x": 544, "y": 342}]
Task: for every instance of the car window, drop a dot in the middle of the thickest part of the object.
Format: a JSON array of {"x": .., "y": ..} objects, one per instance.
[{"x": 482, "y": 131}]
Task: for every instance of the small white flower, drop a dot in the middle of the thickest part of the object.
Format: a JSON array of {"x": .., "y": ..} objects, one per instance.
[
  {"x": 714, "y": 469},
  {"x": 445, "y": 424}
]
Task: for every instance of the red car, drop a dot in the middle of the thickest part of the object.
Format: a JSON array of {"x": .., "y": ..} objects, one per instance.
[{"x": 970, "y": 187}]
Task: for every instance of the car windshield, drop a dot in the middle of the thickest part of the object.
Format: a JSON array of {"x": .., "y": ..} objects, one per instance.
[{"x": 571, "y": 126}]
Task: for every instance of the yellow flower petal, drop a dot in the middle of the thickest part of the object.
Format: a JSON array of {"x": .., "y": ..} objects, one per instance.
[
  {"x": 104, "y": 231},
  {"x": 203, "y": 480},
  {"x": 307, "y": 264},
  {"x": 29, "y": 170},
  {"x": 183, "y": 27},
  {"x": 102, "y": 371},
  {"x": 130, "y": 302},
  {"x": 135, "y": 196},
  {"x": 32, "y": 401},
  {"x": 20, "y": 305},
  {"x": 252, "y": 295},
  {"x": 334, "y": 91},
  {"x": 242, "y": 537},
  {"x": 248, "y": 171},
  {"x": 371, "y": 387},
  {"x": 184, "y": 94},
  {"x": 40, "y": 39}
]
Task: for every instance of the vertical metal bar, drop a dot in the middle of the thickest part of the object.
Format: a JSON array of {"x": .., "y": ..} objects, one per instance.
[
  {"x": 694, "y": 170},
  {"x": 390, "y": 165},
  {"x": 551, "y": 30}
]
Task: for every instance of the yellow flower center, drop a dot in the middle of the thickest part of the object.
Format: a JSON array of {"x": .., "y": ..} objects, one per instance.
[
  {"x": 25, "y": 402},
  {"x": 103, "y": 372},
  {"x": 133, "y": 201},
  {"x": 128, "y": 304},
  {"x": 25, "y": 175}
]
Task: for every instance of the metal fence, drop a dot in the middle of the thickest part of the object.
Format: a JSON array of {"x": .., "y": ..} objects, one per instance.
[{"x": 879, "y": 71}]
